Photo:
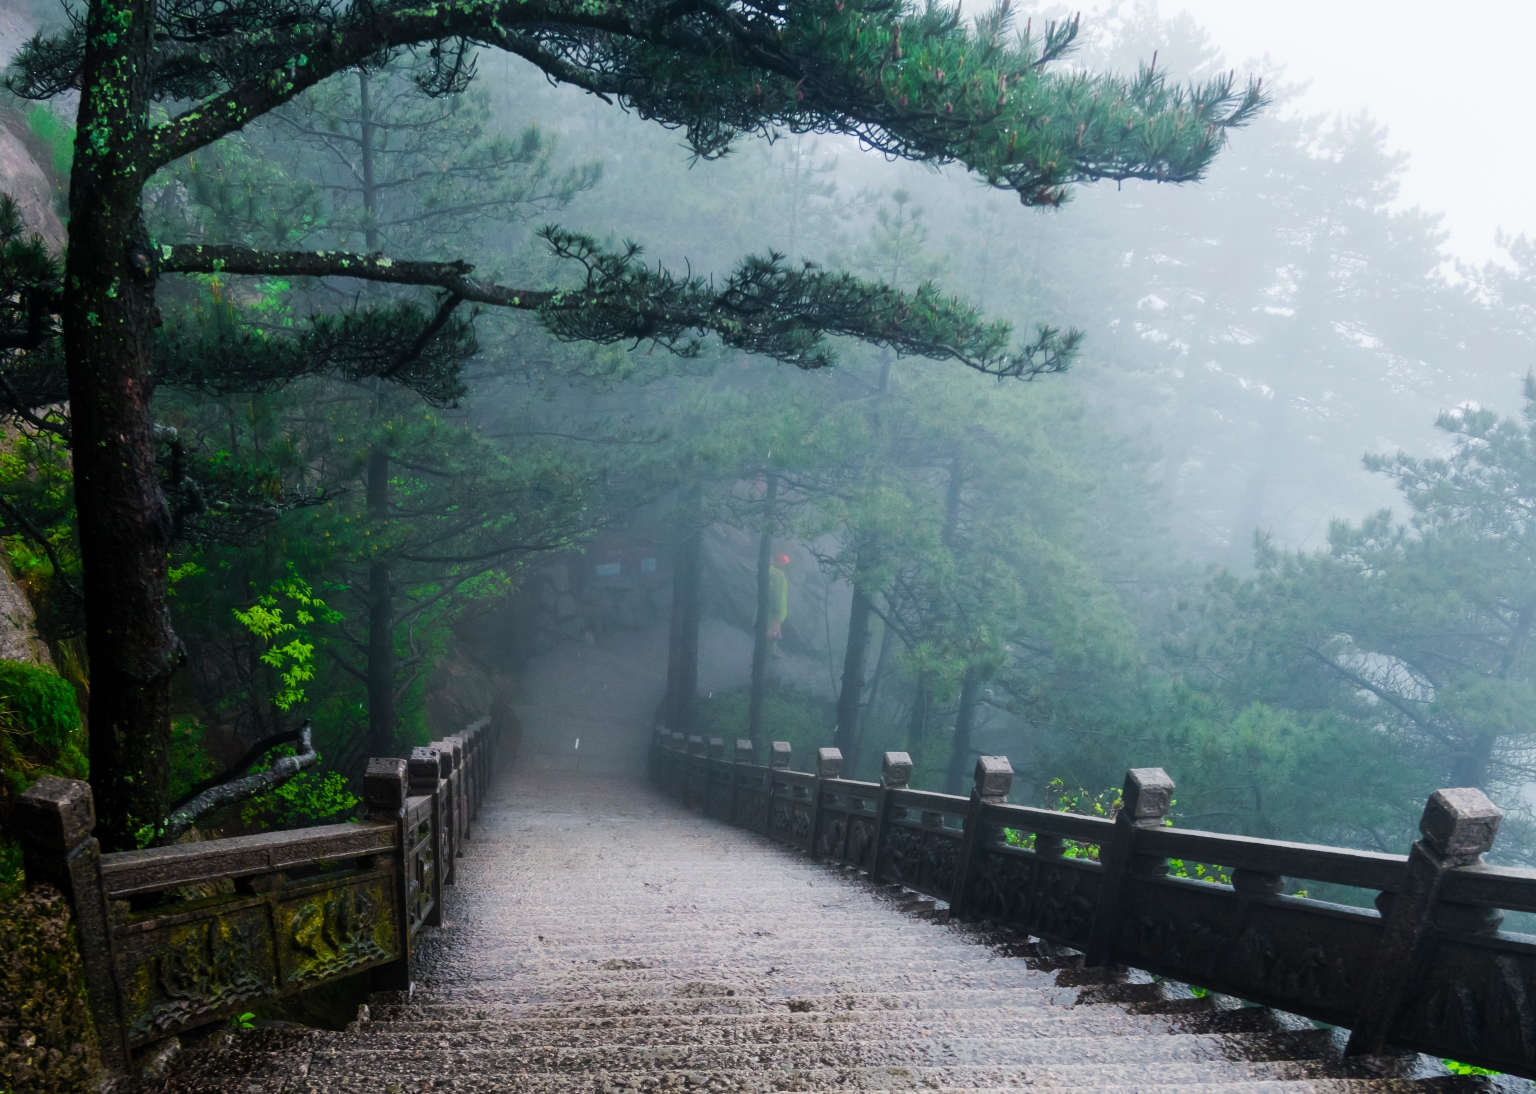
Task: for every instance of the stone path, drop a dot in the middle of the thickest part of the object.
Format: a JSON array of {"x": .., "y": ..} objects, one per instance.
[
  {"x": 603, "y": 940},
  {"x": 600, "y": 697}
]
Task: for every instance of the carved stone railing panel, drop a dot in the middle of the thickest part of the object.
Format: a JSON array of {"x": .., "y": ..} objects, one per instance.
[
  {"x": 1302, "y": 956},
  {"x": 849, "y": 822},
  {"x": 177, "y": 937},
  {"x": 1050, "y": 897},
  {"x": 1434, "y": 973}
]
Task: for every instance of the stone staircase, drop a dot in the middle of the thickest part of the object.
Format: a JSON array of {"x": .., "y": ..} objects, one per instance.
[{"x": 602, "y": 940}]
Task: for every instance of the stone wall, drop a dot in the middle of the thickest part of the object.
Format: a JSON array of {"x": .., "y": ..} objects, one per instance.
[{"x": 47, "y": 1041}]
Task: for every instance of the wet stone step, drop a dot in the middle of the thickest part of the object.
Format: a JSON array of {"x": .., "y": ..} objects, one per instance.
[
  {"x": 924, "y": 1049},
  {"x": 1023, "y": 1024},
  {"x": 414, "y": 1069},
  {"x": 602, "y": 940}
]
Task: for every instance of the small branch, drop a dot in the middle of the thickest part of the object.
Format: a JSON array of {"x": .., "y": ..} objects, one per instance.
[
  {"x": 42, "y": 541},
  {"x": 240, "y": 789},
  {"x": 429, "y": 332},
  {"x": 254, "y": 753},
  {"x": 362, "y": 676}
]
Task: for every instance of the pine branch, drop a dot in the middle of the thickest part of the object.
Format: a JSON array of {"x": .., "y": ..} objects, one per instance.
[
  {"x": 909, "y": 81},
  {"x": 766, "y": 306}
]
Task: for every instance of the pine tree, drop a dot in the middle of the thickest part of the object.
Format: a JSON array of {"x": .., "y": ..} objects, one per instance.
[{"x": 909, "y": 82}]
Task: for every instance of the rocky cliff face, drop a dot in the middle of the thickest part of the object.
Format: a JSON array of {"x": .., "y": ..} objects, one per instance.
[
  {"x": 26, "y": 174},
  {"x": 26, "y": 170}
]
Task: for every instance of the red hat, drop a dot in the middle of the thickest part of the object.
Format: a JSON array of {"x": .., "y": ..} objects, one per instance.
[{"x": 783, "y": 560}]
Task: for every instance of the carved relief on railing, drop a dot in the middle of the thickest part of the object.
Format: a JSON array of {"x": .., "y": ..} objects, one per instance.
[
  {"x": 287, "y": 910},
  {"x": 1046, "y": 896}
]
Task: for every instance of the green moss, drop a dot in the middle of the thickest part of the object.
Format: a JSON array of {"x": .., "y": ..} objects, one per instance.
[
  {"x": 41, "y": 701},
  {"x": 40, "y": 734},
  {"x": 47, "y": 1038}
]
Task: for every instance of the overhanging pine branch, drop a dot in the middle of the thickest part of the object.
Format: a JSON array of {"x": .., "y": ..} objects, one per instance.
[{"x": 766, "y": 306}]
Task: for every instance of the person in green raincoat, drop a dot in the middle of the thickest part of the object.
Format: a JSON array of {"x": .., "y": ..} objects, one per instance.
[{"x": 778, "y": 602}]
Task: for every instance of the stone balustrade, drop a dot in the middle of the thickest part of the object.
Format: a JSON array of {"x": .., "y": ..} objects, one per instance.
[
  {"x": 1426, "y": 969},
  {"x": 177, "y": 937}
]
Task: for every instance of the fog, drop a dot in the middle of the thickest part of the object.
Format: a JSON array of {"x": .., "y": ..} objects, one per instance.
[
  {"x": 1443, "y": 81},
  {"x": 1266, "y": 523}
]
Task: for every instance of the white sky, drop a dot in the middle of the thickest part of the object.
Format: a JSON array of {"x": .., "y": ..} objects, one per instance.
[{"x": 1451, "y": 82}]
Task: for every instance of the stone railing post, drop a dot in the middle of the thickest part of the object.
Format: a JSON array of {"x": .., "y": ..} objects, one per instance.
[
  {"x": 743, "y": 755},
  {"x": 716, "y": 766},
  {"x": 425, "y": 772},
  {"x": 471, "y": 772},
  {"x": 895, "y": 774},
  {"x": 829, "y": 765},
  {"x": 778, "y": 760},
  {"x": 992, "y": 781},
  {"x": 677, "y": 768},
  {"x": 56, "y": 818},
  {"x": 1458, "y": 826},
  {"x": 482, "y": 764},
  {"x": 1144, "y": 802},
  {"x": 455, "y": 744},
  {"x": 653, "y": 755},
  {"x": 384, "y": 786},
  {"x": 695, "y": 773},
  {"x": 447, "y": 810},
  {"x": 476, "y": 752}
]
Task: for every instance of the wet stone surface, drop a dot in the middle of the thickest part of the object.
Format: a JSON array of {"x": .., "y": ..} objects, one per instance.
[{"x": 602, "y": 940}]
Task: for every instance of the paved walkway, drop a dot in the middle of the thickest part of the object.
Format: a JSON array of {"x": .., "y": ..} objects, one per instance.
[
  {"x": 590, "y": 708},
  {"x": 603, "y": 940}
]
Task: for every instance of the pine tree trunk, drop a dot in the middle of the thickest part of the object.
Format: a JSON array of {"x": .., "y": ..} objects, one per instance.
[
  {"x": 854, "y": 659},
  {"x": 370, "y": 188},
  {"x": 109, "y": 318},
  {"x": 760, "y": 627},
  {"x": 381, "y": 620},
  {"x": 682, "y": 670},
  {"x": 872, "y": 704},
  {"x": 917, "y": 720},
  {"x": 960, "y": 755}
]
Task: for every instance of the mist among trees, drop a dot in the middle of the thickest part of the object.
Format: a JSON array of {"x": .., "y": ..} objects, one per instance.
[{"x": 1155, "y": 436}]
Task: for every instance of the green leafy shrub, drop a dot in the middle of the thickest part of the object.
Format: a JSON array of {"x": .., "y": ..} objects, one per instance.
[
  {"x": 310, "y": 796},
  {"x": 1457, "y": 1068},
  {"x": 1107, "y": 804}
]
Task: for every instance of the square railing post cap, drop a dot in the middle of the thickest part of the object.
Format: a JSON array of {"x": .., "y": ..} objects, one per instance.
[
  {"x": 696, "y": 745},
  {"x": 424, "y": 768},
  {"x": 781, "y": 753},
  {"x": 994, "y": 776},
  {"x": 1460, "y": 823},
  {"x": 384, "y": 784},
  {"x": 1147, "y": 795},
  {"x": 744, "y": 750},
  {"x": 716, "y": 747},
  {"x": 896, "y": 769},
  {"x": 829, "y": 763},
  {"x": 56, "y": 814}
]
